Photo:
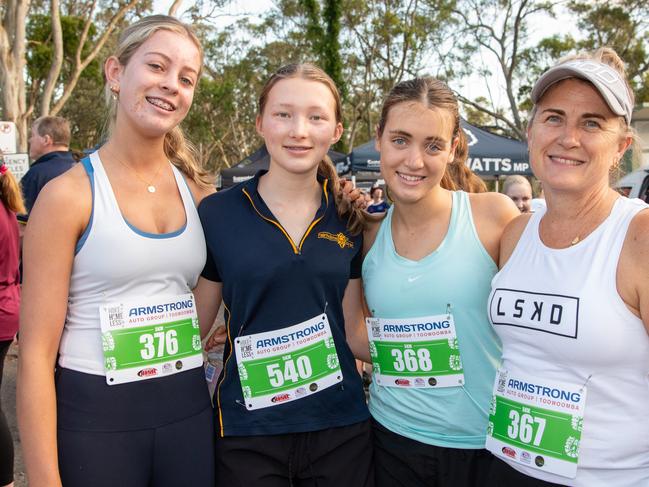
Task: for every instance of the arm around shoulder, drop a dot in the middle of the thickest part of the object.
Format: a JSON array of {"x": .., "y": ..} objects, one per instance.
[{"x": 492, "y": 213}]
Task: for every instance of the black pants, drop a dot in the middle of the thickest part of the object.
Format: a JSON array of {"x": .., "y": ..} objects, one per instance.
[
  {"x": 402, "y": 462},
  {"x": 6, "y": 441},
  {"x": 155, "y": 433},
  {"x": 502, "y": 475},
  {"x": 335, "y": 457}
]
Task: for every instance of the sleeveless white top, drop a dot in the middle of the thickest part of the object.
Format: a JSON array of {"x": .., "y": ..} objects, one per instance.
[
  {"x": 115, "y": 261},
  {"x": 595, "y": 341}
]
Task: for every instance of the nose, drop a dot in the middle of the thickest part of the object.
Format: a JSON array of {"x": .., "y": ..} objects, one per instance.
[
  {"x": 170, "y": 83},
  {"x": 298, "y": 127},
  {"x": 415, "y": 158},
  {"x": 569, "y": 136}
]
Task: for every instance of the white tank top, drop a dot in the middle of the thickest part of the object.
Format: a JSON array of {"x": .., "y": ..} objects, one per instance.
[
  {"x": 596, "y": 341},
  {"x": 115, "y": 261}
]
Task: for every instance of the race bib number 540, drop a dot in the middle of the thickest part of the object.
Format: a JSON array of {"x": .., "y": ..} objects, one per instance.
[
  {"x": 149, "y": 337},
  {"x": 287, "y": 364},
  {"x": 536, "y": 423}
]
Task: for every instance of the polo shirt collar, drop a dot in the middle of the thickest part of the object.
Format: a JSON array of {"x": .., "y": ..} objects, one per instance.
[
  {"x": 250, "y": 188},
  {"x": 51, "y": 156}
]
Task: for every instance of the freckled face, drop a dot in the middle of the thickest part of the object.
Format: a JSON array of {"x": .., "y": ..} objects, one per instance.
[
  {"x": 574, "y": 138},
  {"x": 299, "y": 124},
  {"x": 156, "y": 87},
  {"x": 416, "y": 145}
]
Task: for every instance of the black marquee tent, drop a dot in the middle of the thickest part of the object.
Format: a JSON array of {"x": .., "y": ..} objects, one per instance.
[
  {"x": 260, "y": 159},
  {"x": 490, "y": 155}
]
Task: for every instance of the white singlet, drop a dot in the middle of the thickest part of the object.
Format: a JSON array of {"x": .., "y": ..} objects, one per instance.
[
  {"x": 115, "y": 261},
  {"x": 560, "y": 318}
]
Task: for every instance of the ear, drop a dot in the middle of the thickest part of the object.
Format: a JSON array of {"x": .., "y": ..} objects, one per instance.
[
  {"x": 113, "y": 71},
  {"x": 337, "y": 133},
  {"x": 47, "y": 139},
  {"x": 623, "y": 145},
  {"x": 258, "y": 126}
]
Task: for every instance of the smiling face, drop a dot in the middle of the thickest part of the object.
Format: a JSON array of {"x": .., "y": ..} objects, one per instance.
[
  {"x": 416, "y": 145},
  {"x": 156, "y": 87},
  {"x": 298, "y": 124},
  {"x": 575, "y": 138}
]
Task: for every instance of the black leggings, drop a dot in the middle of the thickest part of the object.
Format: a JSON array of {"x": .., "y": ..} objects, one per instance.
[{"x": 6, "y": 441}]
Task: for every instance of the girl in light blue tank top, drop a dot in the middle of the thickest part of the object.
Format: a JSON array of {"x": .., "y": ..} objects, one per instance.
[{"x": 426, "y": 279}]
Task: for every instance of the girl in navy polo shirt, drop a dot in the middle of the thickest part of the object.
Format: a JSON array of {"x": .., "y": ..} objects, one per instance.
[{"x": 284, "y": 257}]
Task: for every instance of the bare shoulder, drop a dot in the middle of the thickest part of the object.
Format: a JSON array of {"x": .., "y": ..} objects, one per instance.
[
  {"x": 59, "y": 216},
  {"x": 511, "y": 235},
  {"x": 493, "y": 206},
  {"x": 637, "y": 236},
  {"x": 198, "y": 192}
]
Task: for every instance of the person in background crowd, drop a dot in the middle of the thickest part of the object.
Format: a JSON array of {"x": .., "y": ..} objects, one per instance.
[
  {"x": 11, "y": 203},
  {"x": 431, "y": 386},
  {"x": 112, "y": 250},
  {"x": 519, "y": 189},
  {"x": 378, "y": 204},
  {"x": 292, "y": 413},
  {"x": 571, "y": 301},
  {"x": 49, "y": 149}
]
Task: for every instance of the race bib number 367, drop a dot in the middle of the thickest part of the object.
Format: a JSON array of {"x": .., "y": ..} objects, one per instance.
[
  {"x": 415, "y": 352},
  {"x": 536, "y": 423},
  {"x": 287, "y": 364},
  {"x": 149, "y": 337}
]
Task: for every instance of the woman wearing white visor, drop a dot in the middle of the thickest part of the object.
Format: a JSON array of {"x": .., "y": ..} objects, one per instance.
[{"x": 571, "y": 302}]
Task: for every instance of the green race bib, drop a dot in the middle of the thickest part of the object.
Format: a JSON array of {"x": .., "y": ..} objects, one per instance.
[
  {"x": 149, "y": 337},
  {"x": 415, "y": 352},
  {"x": 536, "y": 423},
  {"x": 287, "y": 364}
]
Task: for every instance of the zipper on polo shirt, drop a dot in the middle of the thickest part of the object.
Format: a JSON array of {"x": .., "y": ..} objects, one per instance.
[{"x": 297, "y": 249}]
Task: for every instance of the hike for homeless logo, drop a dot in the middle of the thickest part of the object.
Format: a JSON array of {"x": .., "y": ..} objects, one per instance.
[{"x": 549, "y": 313}]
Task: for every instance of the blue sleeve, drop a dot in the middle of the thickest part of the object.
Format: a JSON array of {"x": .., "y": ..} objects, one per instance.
[
  {"x": 29, "y": 185},
  {"x": 210, "y": 271}
]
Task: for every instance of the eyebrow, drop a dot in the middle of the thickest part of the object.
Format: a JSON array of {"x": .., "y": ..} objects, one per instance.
[
  {"x": 583, "y": 115},
  {"x": 169, "y": 60},
  {"x": 434, "y": 138}
]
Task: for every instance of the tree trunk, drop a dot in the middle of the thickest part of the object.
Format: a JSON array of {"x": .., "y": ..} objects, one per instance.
[{"x": 12, "y": 66}]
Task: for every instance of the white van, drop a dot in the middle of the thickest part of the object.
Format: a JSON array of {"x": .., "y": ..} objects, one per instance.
[{"x": 635, "y": 184}]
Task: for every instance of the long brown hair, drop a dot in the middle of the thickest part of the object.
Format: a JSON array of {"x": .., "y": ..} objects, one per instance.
[
  {"x": 434, "y": 93},
  {"x": 178, "y": 149},
  {"x": 326, "y": 168},
  {"x": 10, "y": 193}
]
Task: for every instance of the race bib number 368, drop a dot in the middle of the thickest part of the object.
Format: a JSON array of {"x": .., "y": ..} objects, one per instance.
[
  {"x": 149, "y": 337},
  {"x": 287, "y": 364},
  {"x": 536, "y": 423},
  {"x": 415, "y": 352}
]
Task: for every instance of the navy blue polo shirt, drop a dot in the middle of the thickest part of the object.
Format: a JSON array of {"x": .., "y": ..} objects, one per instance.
[
  {"x": 43, "y": 169},
  {"x": 270, "y": 283}
]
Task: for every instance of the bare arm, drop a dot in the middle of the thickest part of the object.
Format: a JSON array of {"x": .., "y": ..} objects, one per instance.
[
  {"x": 633, "y": 268},
  {"x": 355, "y": 321},
  {"x": 55, "y": 224},
  {"x": 492, "y": 212},
  {"x": 209, "y": 295}
]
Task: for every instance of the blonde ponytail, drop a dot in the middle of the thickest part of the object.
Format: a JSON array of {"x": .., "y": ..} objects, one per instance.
[
  {"x": 10, "y": 193},
  {"x": 182, "y": 154}
]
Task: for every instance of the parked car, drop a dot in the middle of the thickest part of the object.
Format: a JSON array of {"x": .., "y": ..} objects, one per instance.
[{"x": 635, "y": 184}]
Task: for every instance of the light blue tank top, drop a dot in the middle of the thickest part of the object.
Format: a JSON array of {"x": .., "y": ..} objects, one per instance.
[{"x": 458, "y": 273}]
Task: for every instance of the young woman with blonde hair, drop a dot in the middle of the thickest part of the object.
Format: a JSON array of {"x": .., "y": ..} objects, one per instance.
[{"x": 112, "y": 250}]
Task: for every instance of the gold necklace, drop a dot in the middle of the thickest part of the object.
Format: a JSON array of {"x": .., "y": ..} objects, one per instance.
[{"x": 149, "y": 184}]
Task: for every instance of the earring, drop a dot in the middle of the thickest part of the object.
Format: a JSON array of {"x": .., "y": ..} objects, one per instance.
[{"x": 114, "y": 92}]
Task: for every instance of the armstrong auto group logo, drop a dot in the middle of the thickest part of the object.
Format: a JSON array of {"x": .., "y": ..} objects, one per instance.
[{"x": 340, "y": 238}]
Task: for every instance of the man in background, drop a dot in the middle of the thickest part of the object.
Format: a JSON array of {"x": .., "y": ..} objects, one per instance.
[{"x": 49, "y": 149}]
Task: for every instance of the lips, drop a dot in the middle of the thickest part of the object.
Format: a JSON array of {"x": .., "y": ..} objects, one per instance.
[
  {"x": 565, "y": 161},
  {"x": 297, "y": 148},
  {"x": 161, "y": 103},
  {"x": 410, "y": 178}
]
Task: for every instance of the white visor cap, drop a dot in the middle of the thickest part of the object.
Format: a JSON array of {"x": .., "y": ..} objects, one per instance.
[{"x": 604, "y": 78}]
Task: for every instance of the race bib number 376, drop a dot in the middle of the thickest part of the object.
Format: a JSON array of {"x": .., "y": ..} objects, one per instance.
[
  {"x": 287, "y": 364},
  {"x": 149, "y": 337},
  {"x": 536, "y": 423}
]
